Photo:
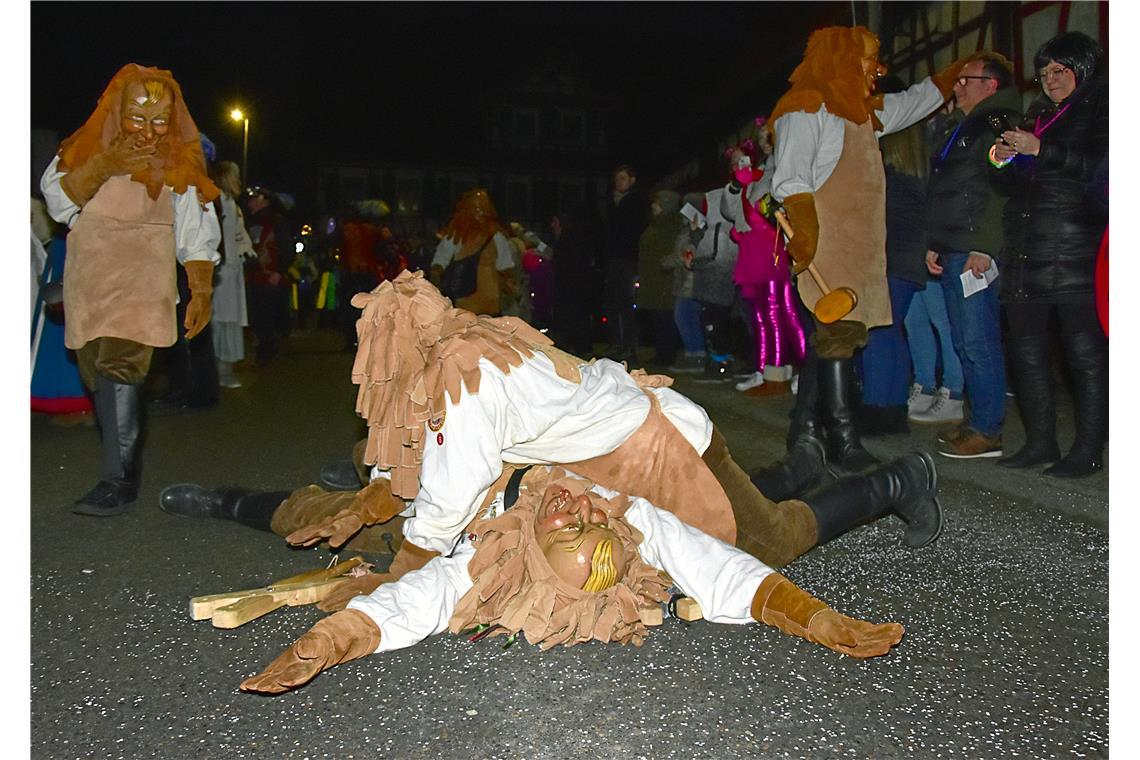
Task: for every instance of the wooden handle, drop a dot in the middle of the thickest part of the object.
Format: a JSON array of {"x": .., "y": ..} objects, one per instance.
[
  {"x": 782, "y": 220},
  {"x": 245, "y": 610}
]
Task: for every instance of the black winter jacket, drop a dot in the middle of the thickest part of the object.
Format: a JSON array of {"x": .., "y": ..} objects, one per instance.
[
  {"x": 906, "y": 227},
  {"x": 965, "y": 211},
  {"x": 624, "y": 225},
  {"x": 1052, "y": 232}
]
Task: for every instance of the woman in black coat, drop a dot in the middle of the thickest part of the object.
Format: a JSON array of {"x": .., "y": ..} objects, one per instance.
[{"x": 1051, "y": 239}]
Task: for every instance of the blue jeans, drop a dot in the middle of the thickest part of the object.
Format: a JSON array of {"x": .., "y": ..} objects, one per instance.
[
  {"x": 687, "y": 315},
  {"x": 928, "y": 333},
  {"x": 975, "y": 323},
  {"x": 886, "y": 360}
]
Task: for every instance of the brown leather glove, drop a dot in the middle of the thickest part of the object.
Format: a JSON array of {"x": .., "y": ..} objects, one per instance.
[
  {"x": 344, "y": 593},
  {"x": 344, "y": 636},
  {"x": 781, "y": 603},
  {"x": 122, "y": 156},
  {"x": 200, "y": 275},
  {"x": 944, "y": 80},
  {"x": 373, "y": 504},
  {"x": 800, "y": 209},
  {"x": 410, "y": 557}
]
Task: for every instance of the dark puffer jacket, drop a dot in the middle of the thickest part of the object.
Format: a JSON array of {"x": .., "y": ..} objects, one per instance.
[
  {"x": 965, "y": 211},
  {"x": 1051, "y": 231}
]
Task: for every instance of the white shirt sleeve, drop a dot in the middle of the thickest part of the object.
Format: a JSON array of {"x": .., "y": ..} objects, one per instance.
[
  {"x": 59, "y": 205},
  {"x": 444, "y": 253},
  {"x": 504, "y": 258},
  {"x": 901, "y": 109},
  {"x": 420, "y": 603},
  {"x": 196, "y": 230},
  {"x": 721, "y": 578},
  {"x": 455, "y": 474},
  {"x": 808, "y": 147}
]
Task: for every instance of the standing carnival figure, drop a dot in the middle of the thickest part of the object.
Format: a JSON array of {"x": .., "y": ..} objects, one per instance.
[
  {"x": 473, "y": 263},
  {"x": 131, "y": 183},
  {"x": 1053, "y": 227},
  {"x": 829, "y": 176},
  {"x": 230, "y": 315},
  {"x": 762, "y": 272}
]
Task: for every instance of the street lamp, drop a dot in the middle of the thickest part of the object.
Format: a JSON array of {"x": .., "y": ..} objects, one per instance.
[{"x": 237, "y": 115}]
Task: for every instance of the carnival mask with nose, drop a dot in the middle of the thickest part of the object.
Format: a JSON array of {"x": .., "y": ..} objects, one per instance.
[
  {"x": 146, "y": 111},
  {"x": 574, "y": 536}
]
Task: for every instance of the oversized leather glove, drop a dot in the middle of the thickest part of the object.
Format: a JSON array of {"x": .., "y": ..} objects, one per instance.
[
  {"x": 410, "y": 557},
  {"x": 200, "y": 275},
  {"x": 122, "y": 156},
  {"x": 344, "y": 636},
  {"x": 781, "y": 603},
  {"x": 373, "y": 504},
  {"x": 800, "y": 209},
  {"x": 345, "y": 592}
]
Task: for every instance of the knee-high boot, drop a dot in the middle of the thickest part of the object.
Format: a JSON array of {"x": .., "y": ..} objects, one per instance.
[
  {"x": 252, "y": 508},
  {"x": 1087, "y": 356},
  {"x": 805, "y": 462},
  {"x": 1029, "y": 355},
  {"x": 845, "y": 451},
  {"x": 906, "y": 487},
  {"x": 119, "y": 412}
]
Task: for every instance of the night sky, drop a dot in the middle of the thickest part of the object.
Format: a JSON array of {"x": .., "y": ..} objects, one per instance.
[{"x": 386, "y": 81}]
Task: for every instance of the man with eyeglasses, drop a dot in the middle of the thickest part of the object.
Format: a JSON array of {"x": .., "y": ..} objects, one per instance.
[{"x": 963, "y": 235}]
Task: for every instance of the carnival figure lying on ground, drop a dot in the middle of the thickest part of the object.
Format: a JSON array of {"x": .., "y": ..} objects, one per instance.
[
  {"x": 131, "y": 184},
  {"x": 451, "y": 398},
  {"x": 568, "y": 562}
]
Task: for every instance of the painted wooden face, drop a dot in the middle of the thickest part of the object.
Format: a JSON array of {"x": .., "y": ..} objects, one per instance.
[
  {"x": 573, "y": 534},
  {"x": 145, "y": 116}
]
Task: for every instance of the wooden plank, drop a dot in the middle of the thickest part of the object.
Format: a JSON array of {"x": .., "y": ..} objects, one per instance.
[
  {"x": 308, "y": 592},
  {"x": 245, "y": 610},
  {"x": 202, "y": 607}
]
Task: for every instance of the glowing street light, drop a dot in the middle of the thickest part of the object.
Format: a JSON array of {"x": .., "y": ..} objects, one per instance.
[{"x": 237, "y": 115}]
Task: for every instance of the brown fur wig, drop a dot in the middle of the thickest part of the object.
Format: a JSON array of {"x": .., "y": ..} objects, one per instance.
[
  {"x": 516, "y": 589},
  {"x": 831, "y": 74},
  {"x": 179, "y": 162}
]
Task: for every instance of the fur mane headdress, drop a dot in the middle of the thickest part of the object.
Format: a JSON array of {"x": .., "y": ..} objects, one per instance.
[
  {"x": 464, "y": 225},
  {"x": 414, "y": 347},
  {"x": 831, "y": 74},
  {"x": 516, "y": 589},
  {"x": 179, "y": 162}
]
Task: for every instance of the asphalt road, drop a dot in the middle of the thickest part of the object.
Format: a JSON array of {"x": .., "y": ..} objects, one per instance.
[{"x": 1005, "y": 655}]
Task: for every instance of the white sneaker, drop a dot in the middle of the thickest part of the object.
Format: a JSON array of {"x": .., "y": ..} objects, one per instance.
[
  {"x": 944, "y": 409},
  {"x": 753, "y": 380},
  {"x": 917, "y": 401}
]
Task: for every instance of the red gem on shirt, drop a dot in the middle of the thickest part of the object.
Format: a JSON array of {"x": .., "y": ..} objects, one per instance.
[{"x": 439, "y": 438}]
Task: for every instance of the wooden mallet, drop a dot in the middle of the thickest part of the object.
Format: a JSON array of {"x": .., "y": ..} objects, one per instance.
[{"x": 833, "y": 305}]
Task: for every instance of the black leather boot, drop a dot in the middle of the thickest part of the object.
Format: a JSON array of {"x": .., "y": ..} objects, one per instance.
[
  {"x": 340, "y": 476},
  {"x": 1029, "y": 355},
  {"x": 1087, "y": 356},
  {"x": 119, "y": 411},
  {"x": 845, "y": 452},
  {"x": 252, "y": 508},
  {"x": 799, "y": 471},
  {"x": 906, "y": 487},
  {"x": 804, "y": 466}
]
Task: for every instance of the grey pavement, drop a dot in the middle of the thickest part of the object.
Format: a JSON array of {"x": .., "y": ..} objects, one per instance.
[{"x": 1005, "y": 655}]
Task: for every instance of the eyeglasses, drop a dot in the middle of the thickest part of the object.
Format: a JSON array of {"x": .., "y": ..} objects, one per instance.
[
  {"x": 1054, "y": 73},
  {"x": 964, "y": 80}
]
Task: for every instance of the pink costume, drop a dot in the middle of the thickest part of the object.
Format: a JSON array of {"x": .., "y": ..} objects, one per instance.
[{"x": 764, "y": 277}]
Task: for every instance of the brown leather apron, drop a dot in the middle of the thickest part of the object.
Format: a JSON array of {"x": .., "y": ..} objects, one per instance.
[
  {"x": 657, "y": 463},
  {"x": 119, "y": 278},
  {"x": 852, "y": 249}
]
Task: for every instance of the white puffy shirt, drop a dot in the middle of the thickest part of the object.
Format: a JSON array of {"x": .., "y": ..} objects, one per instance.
[
  {"x": 720, "y": 577},
  {"x": 530, "y": 416}
]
